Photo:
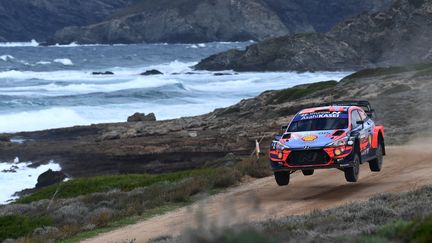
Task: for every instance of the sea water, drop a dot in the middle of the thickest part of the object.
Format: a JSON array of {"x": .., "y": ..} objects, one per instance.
[{"x": 52, "y": 87}]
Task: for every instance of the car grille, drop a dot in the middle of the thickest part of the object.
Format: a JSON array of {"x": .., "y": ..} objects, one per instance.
[{"x": 308, "y": 157}]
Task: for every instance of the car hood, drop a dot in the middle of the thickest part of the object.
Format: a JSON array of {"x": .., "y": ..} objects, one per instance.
[{"x": 313, "y": 139}]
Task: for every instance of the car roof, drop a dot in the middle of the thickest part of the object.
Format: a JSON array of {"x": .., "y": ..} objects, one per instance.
[{"x": 327, "y": 108}]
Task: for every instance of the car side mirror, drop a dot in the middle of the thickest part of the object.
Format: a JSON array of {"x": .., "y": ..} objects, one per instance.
[
  {"x": 284, "y": 128},
  {"x": 360, "y": 123}
]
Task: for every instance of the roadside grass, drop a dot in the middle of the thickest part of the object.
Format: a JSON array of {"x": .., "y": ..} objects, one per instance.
[
  {"x": 14, "y": 226},
  {"x": 301, "y": 91},
  {"x": 403, "y": 217},
  {"x": 85, "y": 186},
  {"x": 85, "y": 207},
  {"x": 121, "y": 223},
  {"x": 418, "y": 230},
  {"x": 422, "y": 69}
]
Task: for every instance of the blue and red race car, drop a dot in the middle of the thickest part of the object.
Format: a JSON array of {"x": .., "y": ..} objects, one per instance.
[{"x": 341, "y": 135}]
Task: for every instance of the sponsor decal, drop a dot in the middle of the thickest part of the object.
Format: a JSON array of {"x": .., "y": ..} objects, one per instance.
[
  {"x": 317, "y": 115},
  {"x": 321, "y": 114},
  {"x": 310, "y": 138}
]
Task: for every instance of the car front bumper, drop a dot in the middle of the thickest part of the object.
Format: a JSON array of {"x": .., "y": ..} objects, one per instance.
[{"x": 293, "y": 159}]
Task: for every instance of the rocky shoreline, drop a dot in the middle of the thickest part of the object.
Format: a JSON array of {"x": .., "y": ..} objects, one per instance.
[
  {"x": 398, "y": 36},
  {"x": 400, "y": 95}
]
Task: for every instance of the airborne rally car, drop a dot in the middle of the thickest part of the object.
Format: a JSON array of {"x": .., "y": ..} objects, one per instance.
[{"x": 341, "y": 135}]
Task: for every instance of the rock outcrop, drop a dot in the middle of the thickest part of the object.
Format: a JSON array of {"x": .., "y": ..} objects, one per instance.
[
  {"x": 399, "y": 36},
  {"x": 103, "y": 73},
  {"x": 5, "y": 138},
  {"x": 50, "y": 177},
  {"x": 215, "y": 20},
  {"x": 141, "y": 117},
  {"x": 151, "y": 72},
  {"x": 24, "y": 20}
]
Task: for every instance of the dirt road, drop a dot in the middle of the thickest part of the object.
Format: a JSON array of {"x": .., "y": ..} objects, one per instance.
[{"x": 405, "y": 168}]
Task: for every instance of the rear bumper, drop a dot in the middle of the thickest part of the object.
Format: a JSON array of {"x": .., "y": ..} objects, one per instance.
[{"x": 283, "y": 160}]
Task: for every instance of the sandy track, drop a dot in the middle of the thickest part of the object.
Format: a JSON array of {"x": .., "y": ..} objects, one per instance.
[{"x": 405, "y": 168}]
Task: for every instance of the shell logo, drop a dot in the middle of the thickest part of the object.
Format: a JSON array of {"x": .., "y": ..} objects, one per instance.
[{"x": 309, "y": 138}]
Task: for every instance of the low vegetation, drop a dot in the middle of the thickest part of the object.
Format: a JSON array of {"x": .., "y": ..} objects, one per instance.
[
  {"x": 85, "y": 186},
  {"x": 421, "y": 69},
  {"x": 405, "y": 217},
  {"x": 14, "y": 226},
  {"x": 87, "y": 205},
  {"x": 302, "y": 91}
]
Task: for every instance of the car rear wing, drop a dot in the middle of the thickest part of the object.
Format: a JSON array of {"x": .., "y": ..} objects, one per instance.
[{"x": 365, "y": 105}]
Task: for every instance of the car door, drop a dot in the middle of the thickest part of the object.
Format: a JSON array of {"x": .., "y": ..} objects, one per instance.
[
  {"x": 368, "y": 127},
  {"x": 362, "y": 131}
]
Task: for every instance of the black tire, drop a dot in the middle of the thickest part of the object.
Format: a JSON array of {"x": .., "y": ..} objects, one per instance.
[
  {"x": 282, "y": 178},
  {"x": 352, "y": 173},
  {"x": 376, "y": 164},
  {"x": 308, "y": 172}
]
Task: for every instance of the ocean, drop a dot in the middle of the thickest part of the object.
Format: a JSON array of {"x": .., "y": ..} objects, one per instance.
[{"x": 53, "y": 87}]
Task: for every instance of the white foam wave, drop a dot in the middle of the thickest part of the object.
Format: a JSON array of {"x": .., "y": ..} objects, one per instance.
[
  {"x": 74, "y": 44},
  {"x": 43, "y": 63},
  {"x": 32, "y": 43},
  {"x": 24, "y": 177},
  {"x": 6, "y": 57},
  {"x": 87, "y": 88},
  {"x": 39, "y": 120},
  {"x": 64, "y": 61},
  {"x": 121, "y": 74}
]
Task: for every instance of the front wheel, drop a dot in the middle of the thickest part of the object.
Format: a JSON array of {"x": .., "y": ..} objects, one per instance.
[
  {"x": 282, "y": 178},
  {"x": 376, "y": 164},
  {"x": 352, "y": 173}
]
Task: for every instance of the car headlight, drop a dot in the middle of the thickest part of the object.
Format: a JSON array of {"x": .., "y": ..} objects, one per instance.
[
  {"x": 338, "y": 143},
  {"x": 281, "y": 146}
]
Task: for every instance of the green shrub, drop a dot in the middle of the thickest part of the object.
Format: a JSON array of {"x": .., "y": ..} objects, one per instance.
[
  {"x": 14, "y": 226},
  {"x": 302, "y": 91},
  {"x": 84, "y": 186},
  {"x": 255, "y": 168}
]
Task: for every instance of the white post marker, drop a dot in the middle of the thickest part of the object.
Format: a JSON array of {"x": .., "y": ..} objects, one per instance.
[{"x": 257, "y": 148}]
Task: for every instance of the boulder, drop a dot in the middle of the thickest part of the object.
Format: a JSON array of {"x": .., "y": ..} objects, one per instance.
[
  {"x": 50, "y": 177},
  {"x": 151, "y": 72},
  {"x": 103, "y": 73},
  {"x": 139, "y": 117},
  {"x": 5, "y": 138},
  {"x": 221, "y": 74},
  {"x": 111, "y": 135}
]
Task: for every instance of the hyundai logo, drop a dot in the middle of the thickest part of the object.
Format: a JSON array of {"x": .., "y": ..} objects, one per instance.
[{"x": 307, "y": 147}]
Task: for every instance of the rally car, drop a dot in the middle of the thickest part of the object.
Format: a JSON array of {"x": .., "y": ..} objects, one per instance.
[{"x": 341, "y": 135}]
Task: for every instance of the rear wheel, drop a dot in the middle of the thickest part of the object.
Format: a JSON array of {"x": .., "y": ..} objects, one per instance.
[
  {"x": 282, "y": 178},
  {"x": 376, "y": 164},
  {"x": 308, "y": 172},
  {"x": 352, "y": 173}
]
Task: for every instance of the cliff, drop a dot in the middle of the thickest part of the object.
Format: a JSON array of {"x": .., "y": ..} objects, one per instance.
[
  {"x": 23, "y": 20},
  {"x": 187, "y": 21},
  {"x": 401, "y": 35}
]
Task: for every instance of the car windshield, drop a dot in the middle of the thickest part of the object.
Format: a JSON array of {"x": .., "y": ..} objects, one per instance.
[{"x": 318, "y": 124}]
